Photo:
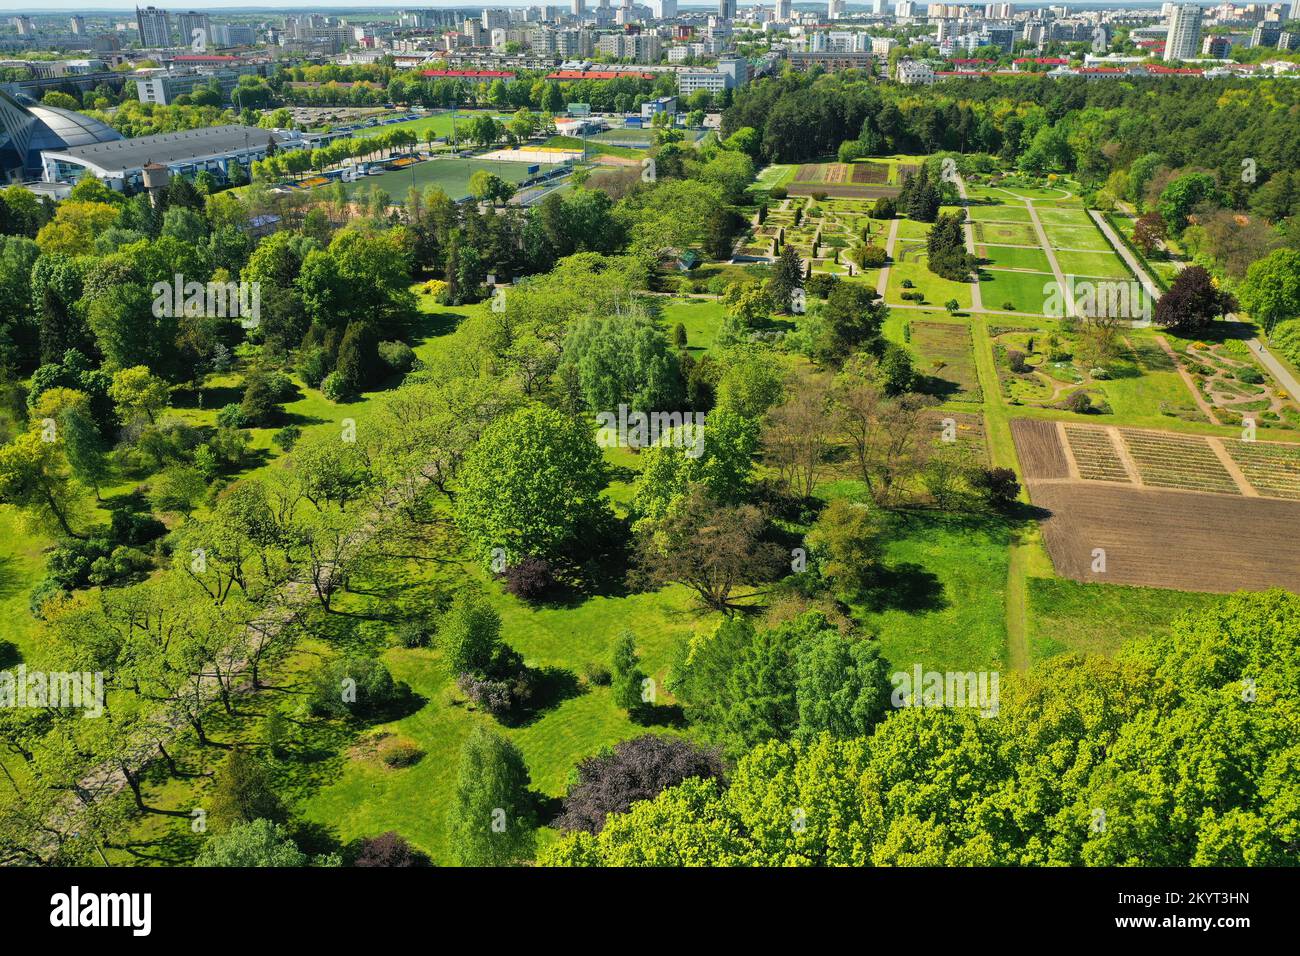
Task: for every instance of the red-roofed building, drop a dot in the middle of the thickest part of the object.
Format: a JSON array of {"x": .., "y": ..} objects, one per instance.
[
  {"x": 598, "y": 75},
  {"x": 469, "y": 74},
  {"x": 1174, "y": 70},
  {"x": 1026, "y": 61}
]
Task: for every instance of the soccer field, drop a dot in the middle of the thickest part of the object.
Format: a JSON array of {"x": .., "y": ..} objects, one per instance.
[{"x": 451, "y": 174}]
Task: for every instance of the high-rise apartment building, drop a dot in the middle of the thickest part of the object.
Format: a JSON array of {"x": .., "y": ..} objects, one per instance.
[
  {"x": 1184, "y": 37},
  {"x": 155, "y": 27}
]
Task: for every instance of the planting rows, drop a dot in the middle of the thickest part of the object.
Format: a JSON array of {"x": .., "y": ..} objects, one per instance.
[
  {"x": 1177, "y": 461},
  {"x": 1095, "y": 454},
  {"x": 1273, "y": 469},
  {"x": 870, "y": 173},
  {"x": 969, "y": 432}
]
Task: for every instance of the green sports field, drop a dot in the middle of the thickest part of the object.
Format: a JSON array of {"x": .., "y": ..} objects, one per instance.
[{"x": 451, "y": 174}]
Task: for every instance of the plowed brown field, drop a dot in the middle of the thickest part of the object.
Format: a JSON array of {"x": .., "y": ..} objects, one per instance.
[
  {"x": 1038, "y": 446},
  {"x": 1170, "y": 539}
]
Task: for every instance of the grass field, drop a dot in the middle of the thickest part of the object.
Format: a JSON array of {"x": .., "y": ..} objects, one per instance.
[
  {"x": 943, "y": 592},
  {"x": 702, "y": 318},
  {"x": 937, "y": 289},
  {"x": 1085, "y": 238},
  {"x": 1008, "y": 257},
  {"x": 1024, "y": 290},
  {"x": 1073, "y": 617},
  {"x": 1101, "y": 264},
  {"x": 1000, "y": 213},
  {"x": 452, "y": 175},
  {"x": 944, "y": 354}
]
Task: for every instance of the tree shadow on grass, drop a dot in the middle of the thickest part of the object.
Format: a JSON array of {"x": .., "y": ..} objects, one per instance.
[
  {"x": 906, "y": 587},
  {"x": 175, "y": 848},
  {"x": 659, "y": 715},
  {"x": 551, "y": 686},
  {"x": 546, "y": 808}
]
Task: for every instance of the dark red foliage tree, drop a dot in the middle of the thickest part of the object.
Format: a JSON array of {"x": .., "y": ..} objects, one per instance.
[
  {"x": 637, "y": 769},
  {"x": 387, "y": 849},
  {"x": 1193, "y": 301}
]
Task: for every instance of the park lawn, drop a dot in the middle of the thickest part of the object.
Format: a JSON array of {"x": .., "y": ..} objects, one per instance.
[
  {"x": 1104, "y": 265},
  {"x": 1140, "y": 386},
  {"x": 1012, "y": 257},
  {"x": 942, "y": 592},
  {"x": 944, "y": 353},
  {"x": 999, "y": 213},
  {"x": 1024, "y": 290},
  {"x": 937, "y": 289},
  {"x": 1076, "y": 237},
  {"x": 1065, "y": 616},
  {"x": 702, "y": 318},
  {"x": 451, "y": 175},
  {"x": 22, "y": 565},
  {"x": 911, "y": 229},
  {"x": 1064, "y": 216},
  {"x": 365, "y": 798},
  {"x": 1037, "y": 193},
  {"x": 1006, "y": 233}
]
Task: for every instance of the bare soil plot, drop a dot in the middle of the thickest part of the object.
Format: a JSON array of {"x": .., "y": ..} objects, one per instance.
[
  {"x": 1038, "y": 446},
  {"x": 844, "y": 190},
  {"x": 870, "y": 173},
  {"x": 1165, "y": 460},
  {"x": 810, "y": 173},
  {"x": 1169, "y": 539}
]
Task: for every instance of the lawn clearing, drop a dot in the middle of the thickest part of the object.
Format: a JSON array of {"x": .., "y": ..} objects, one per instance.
[
  {"x": 946, "y": 357},
  {"x": 1006, "y": 233},
  {"x": 1008, "y": 257},
  {"x": 996, "y": 213},
  {"x": 1072, "y": 617},
  {"x": 1104, "y": 265},
  {"x": 940, "y": 603},
  {"x": 1023, "y": 290},
  {"x": 1076, "y": 237},
  {"x": 451, "y": 175}
]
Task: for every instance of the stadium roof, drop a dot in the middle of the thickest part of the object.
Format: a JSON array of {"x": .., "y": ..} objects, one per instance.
[{"x": 169, "y": 148}]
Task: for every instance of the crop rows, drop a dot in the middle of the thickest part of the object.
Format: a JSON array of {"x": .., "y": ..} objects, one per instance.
[
  {"x": 1272, "y": 468},
  {"x": 1174, "y": 461},
  {"x": 1095, "y": 454}
]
